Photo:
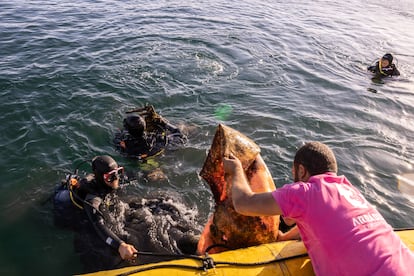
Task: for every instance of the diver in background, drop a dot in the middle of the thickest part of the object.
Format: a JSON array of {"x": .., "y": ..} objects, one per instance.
[
  {"x": 384, "y": 67},
  {"x": 146, "y": 134}
]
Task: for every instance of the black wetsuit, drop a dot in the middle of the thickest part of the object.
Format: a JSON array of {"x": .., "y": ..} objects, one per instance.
[
  {"x": 97, "y": 239},
  {"x": 97, "y": 207},
  {"x": 152, "y": 143},
  {"x": 390, "y": 70},
  {"x": 154, "y": 224}
]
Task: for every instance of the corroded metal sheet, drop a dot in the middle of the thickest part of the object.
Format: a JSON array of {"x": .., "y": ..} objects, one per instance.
[{"x": 226, "y": 227}]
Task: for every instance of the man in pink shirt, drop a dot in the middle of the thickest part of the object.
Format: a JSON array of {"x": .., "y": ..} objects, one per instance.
[{"x": 343, "y": 233}]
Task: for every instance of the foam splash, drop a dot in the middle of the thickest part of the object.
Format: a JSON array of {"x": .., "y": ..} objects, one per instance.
[{"x": 157, "y": 222}]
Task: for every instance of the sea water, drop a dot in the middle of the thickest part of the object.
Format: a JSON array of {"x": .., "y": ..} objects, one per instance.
[{"x": 281, "y": 72}]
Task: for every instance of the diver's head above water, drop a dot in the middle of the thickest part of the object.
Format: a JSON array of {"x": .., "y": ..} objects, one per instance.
[
  {"x": 106, "y": 171},
  {"x": 386, "y": 60},
  {"x": 135, "y": 124}
]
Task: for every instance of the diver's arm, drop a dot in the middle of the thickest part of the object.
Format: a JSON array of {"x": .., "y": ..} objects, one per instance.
[
  {"x": 170, "y": 127},
  {"x": 126, "y": 251},
  {"x": 95, "y": 217},
  {"x": 373, "y": 68},
  {"x": 98, "y": 222},
  {"x": 164, "y": 123},
  {"x": 245, "y": 201},
  {"x": 395, "y": 71}
]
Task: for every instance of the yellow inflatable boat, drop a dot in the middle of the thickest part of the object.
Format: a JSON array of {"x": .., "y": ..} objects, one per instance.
[{"x": 279, "y": 258}]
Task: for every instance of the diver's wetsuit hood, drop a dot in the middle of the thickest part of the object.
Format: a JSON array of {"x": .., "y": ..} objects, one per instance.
[
  {"x": 101, "y": 165},
  {"x": 388, "y": 57},
  {"x": 135, "y": 125}
]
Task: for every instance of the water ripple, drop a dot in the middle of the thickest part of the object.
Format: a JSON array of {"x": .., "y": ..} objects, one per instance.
[{"x": 291, "y": 72}]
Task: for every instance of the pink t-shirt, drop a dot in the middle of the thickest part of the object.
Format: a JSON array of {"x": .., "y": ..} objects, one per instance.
[{"x": 343, "y": 233}]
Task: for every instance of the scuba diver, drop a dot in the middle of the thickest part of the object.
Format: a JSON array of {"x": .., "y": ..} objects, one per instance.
[
  {"x": 146, "y": 134},
  {"x": 384, "y": 67},
  {"x": 109, "y": 230},
  {"x": 91, "y": 201}
]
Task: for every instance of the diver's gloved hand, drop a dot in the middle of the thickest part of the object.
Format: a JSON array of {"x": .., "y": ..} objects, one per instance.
[{"x": 127, "y": 251}]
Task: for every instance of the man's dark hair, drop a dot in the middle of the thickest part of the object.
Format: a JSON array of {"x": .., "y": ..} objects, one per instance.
[{"x": 317, "y": 158}]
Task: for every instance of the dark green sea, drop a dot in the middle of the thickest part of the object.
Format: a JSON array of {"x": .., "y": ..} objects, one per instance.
[{"x": 284, "y": 72}]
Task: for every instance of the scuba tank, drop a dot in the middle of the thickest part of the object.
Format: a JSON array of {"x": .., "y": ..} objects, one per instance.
[{"x": 67, "y": 209}]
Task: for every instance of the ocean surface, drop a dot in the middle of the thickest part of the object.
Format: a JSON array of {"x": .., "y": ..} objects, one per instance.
[{"x": 281, "y": 72}]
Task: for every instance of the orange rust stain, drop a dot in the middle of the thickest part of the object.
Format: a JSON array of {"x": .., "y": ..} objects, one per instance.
[{"x": 226, "y": 226}]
